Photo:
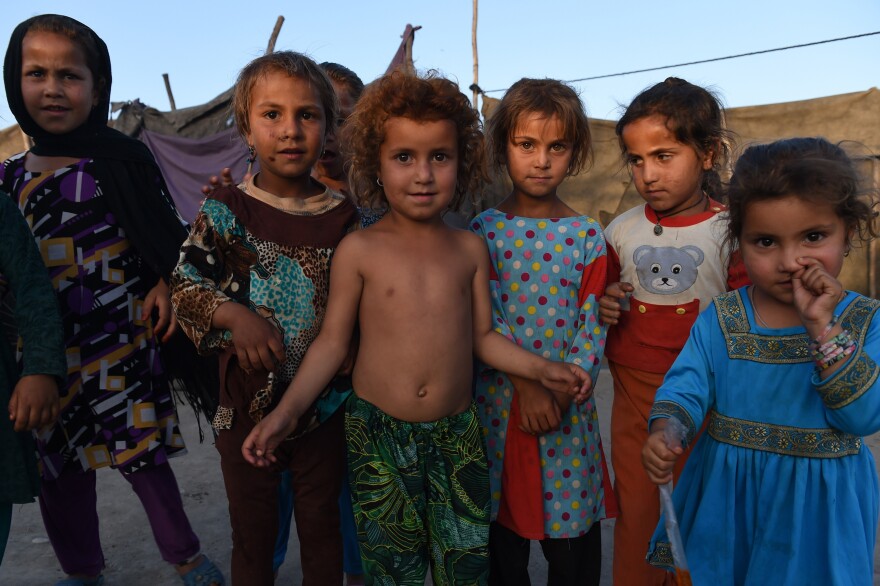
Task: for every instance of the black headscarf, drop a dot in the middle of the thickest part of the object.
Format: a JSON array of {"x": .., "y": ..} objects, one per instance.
[
  {"x": 124, "y": 167},
  {"x": 135, "y": 192}
]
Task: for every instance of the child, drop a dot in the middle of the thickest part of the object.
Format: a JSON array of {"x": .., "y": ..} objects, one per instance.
[
  {"x": 330, "y": 171},
  {"x": 780, "y": 489},
  {"x": 666, "y": 262},
  {"x": 419, "y": 291},
  {"x": 548, "y": 270},
  {"x": 252, "y": 283},
  {"x": 31, "y": 397},
  {"x": 99, "y": 210}
]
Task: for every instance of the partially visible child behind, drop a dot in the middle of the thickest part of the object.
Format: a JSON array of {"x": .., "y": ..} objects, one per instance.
[
  {"x": 331, "y": 168},
  {"x": 547, "y": 272},
  {"x": 667, "y": 259},
  {"x": 99, "y": 209},
  {"x": 252, "y": 283},
  {"x": 419, "y": 291},
  {"x": 30, "y": 397},
  {"x": 781, "y": 489},
  {"x": 331, "y": 171}
]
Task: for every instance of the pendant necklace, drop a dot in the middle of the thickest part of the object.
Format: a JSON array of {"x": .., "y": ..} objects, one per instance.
[
  {"x": 758, "y": 317},
  {"x": 658, "y": 229}
]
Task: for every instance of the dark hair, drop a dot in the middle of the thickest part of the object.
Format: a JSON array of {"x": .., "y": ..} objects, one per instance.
[
  {"x": 293, "y": 64},
  {"x": 345, "y": 77},
  {"x": 812, "y": 169},
  {"x": 80, "y": 35},
  {"x": 695, "y": 117},
  {"x": 545, "y": 96},
  {"x": 422, "y": 98}
]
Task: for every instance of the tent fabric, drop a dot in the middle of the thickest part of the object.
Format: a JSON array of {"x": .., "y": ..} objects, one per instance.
[
  {"x": 187, "y": 163},
  {"x": 194, "y": 122}
]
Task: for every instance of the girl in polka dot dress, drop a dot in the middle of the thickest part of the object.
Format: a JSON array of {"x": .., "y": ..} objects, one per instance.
[{"x": 545, "y": 456}]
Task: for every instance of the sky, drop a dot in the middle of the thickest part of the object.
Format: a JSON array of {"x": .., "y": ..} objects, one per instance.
[{"x": 202, "y": 45}]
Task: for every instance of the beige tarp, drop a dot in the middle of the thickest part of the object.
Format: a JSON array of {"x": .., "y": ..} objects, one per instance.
[{"x": 605, "y": 190}]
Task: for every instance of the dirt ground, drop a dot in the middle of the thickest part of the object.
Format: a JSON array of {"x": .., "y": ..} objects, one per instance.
[{"x": 131, "y": 554}]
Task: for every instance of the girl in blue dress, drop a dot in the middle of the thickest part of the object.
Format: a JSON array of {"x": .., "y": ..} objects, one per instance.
[{"x": 780, "y": 489}]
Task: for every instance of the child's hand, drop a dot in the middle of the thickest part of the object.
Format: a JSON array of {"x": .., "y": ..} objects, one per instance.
[
  {"x": 816, "y": 294},
  {"x": 567, "y": 378},
  {"x": 657, "y": 459},
  {"x": 609, "y": 304},
  {"x": 34, "y": 402},
  {"x": 215, "y": 182},
  {"x": 259, "y": 446},
  {"x": 538, "y": 411},
  {"x": 259, "y": 345},
  {"x": 160, "y": 298}
]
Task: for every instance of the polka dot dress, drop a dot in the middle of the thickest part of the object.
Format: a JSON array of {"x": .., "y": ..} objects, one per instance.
[{"x": 550, "y": 273}]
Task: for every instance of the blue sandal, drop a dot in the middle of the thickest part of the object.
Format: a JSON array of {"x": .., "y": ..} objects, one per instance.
[
  {"x": 69, "y": 581},
  {"x": 204, "y": 574}
]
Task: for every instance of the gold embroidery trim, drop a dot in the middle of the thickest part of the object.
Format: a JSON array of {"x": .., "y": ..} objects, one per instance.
[
  {"x": 782, "y": 439},
  {"x": 790, "y": 349}
]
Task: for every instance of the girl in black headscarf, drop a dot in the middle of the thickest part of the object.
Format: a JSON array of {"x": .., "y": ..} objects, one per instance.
[{"x": 109, "y": 235}]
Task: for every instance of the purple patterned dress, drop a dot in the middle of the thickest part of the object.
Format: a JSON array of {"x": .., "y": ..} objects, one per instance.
[{"x": 116, "y": 406}]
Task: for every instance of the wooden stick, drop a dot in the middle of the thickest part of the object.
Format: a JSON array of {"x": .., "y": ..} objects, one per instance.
[
  {"x": 476, "y": 61},
  {"x": 274, "y": 36},
  {"x": 168, "y": 89}
]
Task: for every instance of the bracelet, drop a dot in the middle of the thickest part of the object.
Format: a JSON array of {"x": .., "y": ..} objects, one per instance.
[
  {"x": 832, "y": 351},
  {"x": 829, "y": 362},
  {"x": 842, "y": 339},
  {"x": 828, "y": 328}
]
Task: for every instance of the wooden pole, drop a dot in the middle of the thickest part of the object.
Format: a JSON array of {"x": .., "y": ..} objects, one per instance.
[
  {"x": 168, "y": 89},
  {"x": 476, "y": 60},
  {"x": 274, "y": 36}
]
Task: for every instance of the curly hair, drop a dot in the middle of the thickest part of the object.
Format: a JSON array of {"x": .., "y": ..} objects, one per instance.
[
  {"x": 812, "y": 169},
  {"x": 695, "y": 117},
  {"x": 549, "y": 97},
  {"x": 421, "y": 98},
  {"x": 293, "y": 64}
]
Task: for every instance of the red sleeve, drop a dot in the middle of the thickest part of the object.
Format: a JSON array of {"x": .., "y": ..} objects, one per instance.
[
  {"x": 736, "y": 272},
  {"x": 593, "y": 281},
  {"x": 613, "y": 262}
]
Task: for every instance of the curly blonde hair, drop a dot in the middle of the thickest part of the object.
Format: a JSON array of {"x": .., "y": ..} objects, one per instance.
[{"x": 421, "y": 98}]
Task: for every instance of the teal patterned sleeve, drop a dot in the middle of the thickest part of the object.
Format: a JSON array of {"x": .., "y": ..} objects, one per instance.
[
  {"x": 36, "y": 307},
  {"x": 197, "y": 282}
]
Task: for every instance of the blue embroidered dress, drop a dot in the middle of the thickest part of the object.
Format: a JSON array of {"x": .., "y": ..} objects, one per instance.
[
  {"x": 780, "y": 489},
  {"x": 547, "y": 277}
]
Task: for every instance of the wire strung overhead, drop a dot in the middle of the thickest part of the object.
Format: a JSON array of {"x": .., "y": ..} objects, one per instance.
[{"x": 708, "y": 60}]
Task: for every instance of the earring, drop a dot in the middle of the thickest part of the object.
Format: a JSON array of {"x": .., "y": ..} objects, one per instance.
[
  {"x": 379, "y": 182},
  {"x": 252, "y": 156}
]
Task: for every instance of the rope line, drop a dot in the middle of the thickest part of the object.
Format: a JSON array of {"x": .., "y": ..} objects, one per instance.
[{"x": 710, "y": 60}]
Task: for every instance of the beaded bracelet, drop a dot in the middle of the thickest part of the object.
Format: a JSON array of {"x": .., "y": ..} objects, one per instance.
[
  {"x": 829, "y": 362},
  {"x": 818, "y": 341},
  {"x": 833, "y": 351}
]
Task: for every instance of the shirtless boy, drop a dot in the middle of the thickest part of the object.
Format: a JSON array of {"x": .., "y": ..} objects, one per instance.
[{"x": 419, "y": 292}]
